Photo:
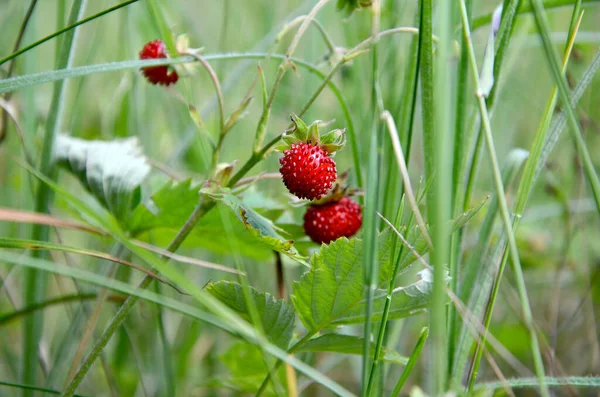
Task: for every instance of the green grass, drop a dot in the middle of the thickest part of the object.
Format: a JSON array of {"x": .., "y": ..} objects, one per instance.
[{"x": 435, "y": 124}]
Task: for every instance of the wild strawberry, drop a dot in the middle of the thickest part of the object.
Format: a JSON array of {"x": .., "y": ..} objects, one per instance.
[
  {"x": 157, "y": 74},
  {"x": 307, "y": 169},
  {"x": 327, "y": 222}
]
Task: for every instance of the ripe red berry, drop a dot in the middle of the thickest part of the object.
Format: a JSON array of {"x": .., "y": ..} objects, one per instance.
[
  {"x": 157, "y": 74},
  {"x": 307, "y": 170},
  {"x": 327, "y": 222}
]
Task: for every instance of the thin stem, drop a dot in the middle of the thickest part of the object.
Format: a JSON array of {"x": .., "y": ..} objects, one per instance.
[
  {"x": 411, "y": 362},
  {"x": 261, "y": 128},
  {"x": 512, "y": 245},
  {"x": 202, "y": 208},
  {"x": 525, "y": 187},
  {"x": 291, "y": 350},
  {"x": 65, "y": 29},
  {"x": 11, "y": 66},
  {"x": 292, "y": 24},
  {"x": 563, "y": 91},
  {"x": 387, "y": 117},
  {"x": 439, "y": 150},
  {"x": 215, "y": 79},
  {"x": 35, "y": 281},
  {"x": 371, "y": 270}
]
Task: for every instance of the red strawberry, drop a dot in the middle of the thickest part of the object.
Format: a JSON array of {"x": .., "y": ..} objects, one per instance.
[
  {"x": 307, "y": 169},
  {"x": 157, "y": 74},
  {"x": 327, "y": 222}
]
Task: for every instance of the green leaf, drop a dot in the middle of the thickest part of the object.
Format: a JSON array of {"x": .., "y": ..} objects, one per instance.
[
  {"x": 418, "y": 242},
  {"x": 277, "y": 317},
  {"x": 169, "y": 207},
  {"x": 112, "y": 171},
  {"x": 347, "y": 344},
  {"x": 407, "y": 301},
  {"x": 257, "y": 225},
  {"x": 331, "y": 292},
  {"x": 247, "y": 367}
]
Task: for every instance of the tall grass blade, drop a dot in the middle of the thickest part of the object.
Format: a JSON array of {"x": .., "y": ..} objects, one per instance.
[{"x": 35, "y": 282}]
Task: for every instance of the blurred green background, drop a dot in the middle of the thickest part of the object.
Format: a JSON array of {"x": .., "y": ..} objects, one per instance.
[{"x": 558, "y": 238}]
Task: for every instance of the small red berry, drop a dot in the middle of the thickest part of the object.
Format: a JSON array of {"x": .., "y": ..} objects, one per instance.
[
  {"x": 157, "y": 74},
  {"x": 327, "y": 222},
  {"x": 307, "y": 170}
]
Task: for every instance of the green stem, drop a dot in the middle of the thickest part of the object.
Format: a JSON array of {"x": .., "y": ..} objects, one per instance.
[
  {"x": 35, "y": 282},
  {"x": 11, "y": 67},
  {"x": 291, "y": 350},
  {"x": 483, "y": 20},
  {"x": 202, "y": 208},
  {"x": 370, "y": 225},
  {"x": 563, "y": 91},
  {"x": 411, "y": 362},
  {"x": 6, "y": 318},
  {"x": 261, "y": 128},
  {"x": 459, "y": 163},
  {"x": 512, "y": 245}
]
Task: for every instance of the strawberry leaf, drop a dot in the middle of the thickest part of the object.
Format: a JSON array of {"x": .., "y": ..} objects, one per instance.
[
  {"x": 112, "y": 171},
  {"x": 276, "y": 316},
  {"x": 169, "y": 208},
  {"x": 331, "y": 292},
  {"x": 263, "y": 229},
  {"x": 347, "y": 344}
]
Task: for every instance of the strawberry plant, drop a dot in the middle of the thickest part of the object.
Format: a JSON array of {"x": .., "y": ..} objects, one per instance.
[{"x": 298, "y": 198}]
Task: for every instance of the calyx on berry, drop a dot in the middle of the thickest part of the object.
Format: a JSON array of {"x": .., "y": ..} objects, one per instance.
[{"x": 331, "y": 141}]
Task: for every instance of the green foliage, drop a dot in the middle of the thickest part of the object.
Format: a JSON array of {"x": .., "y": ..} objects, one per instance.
[
  {"x": 263, "y": 229},
  {"x": 112, "y": 171},
  {"x": 331, "y": 292},
  {"x": 276, "y": 316},
  {"x": 247, "y": 368},
  {"x": 347, "y": 344}
]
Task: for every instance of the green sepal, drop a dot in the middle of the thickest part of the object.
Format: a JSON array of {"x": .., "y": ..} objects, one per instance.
[
  {"x": 300, "y": 129},
  {"x": 331, "y": 142},
  {"x": 313, "y": 133}
]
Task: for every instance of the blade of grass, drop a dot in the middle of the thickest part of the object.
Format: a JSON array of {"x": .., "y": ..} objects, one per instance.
[
  {"x": 527, "y": 181},
  {"x": 575, "y": 381},
  {"x": 412, "y": 361},
  {"x": 476, "y": 273},
  {"x": 10, "y": 215},
  {"x": 72, "y": 25},
  {"x": 439, "y": 150},
  {"x": 387, "y": 117},
  {"x": 372, "y": 203},
  {"x": 563, "y": 92},
  {"x": 6, "y": 318},
  {"x": 35, "y": 283},
  {"x": 32, "y": 388},
  {"x": 525, "y": 8},
  {"x": 512, "y": 245},
  {"x": 11, "y": 67}
]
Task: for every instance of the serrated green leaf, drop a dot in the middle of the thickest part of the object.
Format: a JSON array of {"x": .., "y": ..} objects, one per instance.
[
  {"x": 331, "y": 292},
  {"x": 277, "y": 317},
  {"x": 112, "y": 171},
  {"x": 407, "y": 301},
  {"x": 257, "y": 225},
  {"x": 347, "y": 344},
  {"x": 168, "y": 208}
]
